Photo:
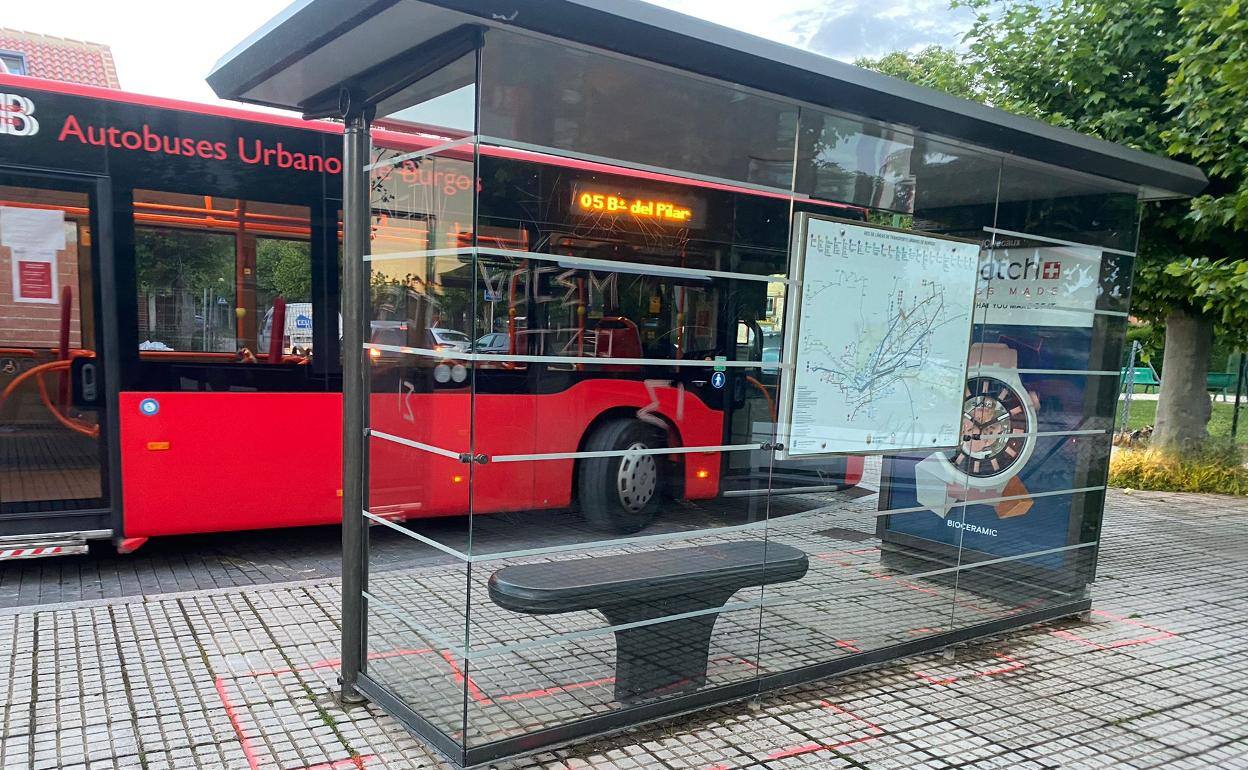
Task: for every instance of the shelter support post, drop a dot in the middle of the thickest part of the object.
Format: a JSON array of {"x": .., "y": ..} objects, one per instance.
[{"x": 355, "y": 215}]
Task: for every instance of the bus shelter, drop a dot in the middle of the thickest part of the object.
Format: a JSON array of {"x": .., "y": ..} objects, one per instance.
[{"x": 649, "y": 292}]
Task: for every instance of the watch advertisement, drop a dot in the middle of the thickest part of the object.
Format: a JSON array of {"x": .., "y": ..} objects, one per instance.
[{"x": 1032, "y": 432}]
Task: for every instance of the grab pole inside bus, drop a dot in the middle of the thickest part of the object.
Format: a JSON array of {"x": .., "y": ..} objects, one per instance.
[{"x": 355, "y": 213}]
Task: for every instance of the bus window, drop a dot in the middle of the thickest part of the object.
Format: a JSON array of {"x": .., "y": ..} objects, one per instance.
[
  {"x": 552, "y": 307},
  {"x": 284, "y": 269},
  {"x": 209, "y": 272}
]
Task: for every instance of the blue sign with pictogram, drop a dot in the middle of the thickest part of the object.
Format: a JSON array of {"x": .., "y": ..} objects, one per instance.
[
  {"x": 149, "y": 406},
  {"x": 718, "y": 379}
]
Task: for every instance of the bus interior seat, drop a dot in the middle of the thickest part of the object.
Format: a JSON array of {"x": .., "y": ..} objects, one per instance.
[{"x": 617, "y": 337}]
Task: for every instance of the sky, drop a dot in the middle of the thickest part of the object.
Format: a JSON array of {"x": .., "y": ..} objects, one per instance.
[{"x": 163, "y": 48}]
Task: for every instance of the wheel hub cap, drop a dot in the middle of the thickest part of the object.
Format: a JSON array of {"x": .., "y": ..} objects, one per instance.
[{"x": 637, "y": 479}]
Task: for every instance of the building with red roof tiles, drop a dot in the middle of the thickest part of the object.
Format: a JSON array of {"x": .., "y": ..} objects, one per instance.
[{"x": 57, "y": 58}]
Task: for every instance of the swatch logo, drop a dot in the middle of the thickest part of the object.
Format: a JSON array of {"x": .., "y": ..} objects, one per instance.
[{"x": 17, "y": 116}]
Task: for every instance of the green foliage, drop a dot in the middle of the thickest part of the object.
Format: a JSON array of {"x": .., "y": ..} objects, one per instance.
[
  {"x": 1217, "y": 468},
  {"x": 184, "y": 261},
  {"x": 1164, "y": 76},
  {"x": 284, "y": 268},
  {"x": 934, "y": 67},
  {"x": 1219, "y": 290},
  {"x": 1209, "y": 95},
  {"x": 1152, "y": 342},
  {"x": 1096, "y": 66}
]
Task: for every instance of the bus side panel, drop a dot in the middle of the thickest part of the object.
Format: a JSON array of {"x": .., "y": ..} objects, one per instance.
[
  {"x": 854, "y": 466},
  {"x": 411, "y": 482},
  {"x": 408, "y": 482},
  {"x": 215, "y": 462},
  {"x": 563, "y": 417}
]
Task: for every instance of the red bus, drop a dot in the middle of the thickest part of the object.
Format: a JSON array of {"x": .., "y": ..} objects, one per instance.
[{"x": 170, "y": 335}]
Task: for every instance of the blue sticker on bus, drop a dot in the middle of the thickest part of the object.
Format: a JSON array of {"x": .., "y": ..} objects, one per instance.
[
  {"x": 718, "y": 379},
  {"x": 149, "y": 406},
  {"x": 303, "y": 322}
]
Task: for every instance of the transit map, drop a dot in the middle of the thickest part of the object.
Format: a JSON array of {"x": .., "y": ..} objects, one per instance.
[{"x": 878, "y": 340}]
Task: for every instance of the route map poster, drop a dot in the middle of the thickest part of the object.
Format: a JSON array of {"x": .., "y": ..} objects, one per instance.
[{"x": 878, "y": 339}]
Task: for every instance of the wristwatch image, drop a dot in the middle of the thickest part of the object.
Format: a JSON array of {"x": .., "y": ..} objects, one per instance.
[{"x": 999, "y": 419}]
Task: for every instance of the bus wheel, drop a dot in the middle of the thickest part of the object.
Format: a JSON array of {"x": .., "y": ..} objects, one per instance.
[{"x": 621, "y": 494}]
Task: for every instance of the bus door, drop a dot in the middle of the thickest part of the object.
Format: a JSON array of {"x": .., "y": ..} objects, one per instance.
[
  {"x": 54, "y": 435},
  {"x": 750, "y": 406}
]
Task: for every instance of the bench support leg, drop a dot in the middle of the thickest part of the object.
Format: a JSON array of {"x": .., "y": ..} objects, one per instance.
[{"x": 665, "y": 657}]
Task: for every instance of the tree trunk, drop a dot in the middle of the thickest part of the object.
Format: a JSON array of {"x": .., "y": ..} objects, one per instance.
[{"x": 1183, "y": 406}]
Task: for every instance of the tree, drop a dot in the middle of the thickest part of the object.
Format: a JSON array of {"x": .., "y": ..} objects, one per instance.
[
  {"x": 283, "y": 268},
  {"x": 187, "y": 266},
  {"x": 1164, "y": 76},
  {"x": 934, "y": 67},
  {"x": 1208, "y": 93}
]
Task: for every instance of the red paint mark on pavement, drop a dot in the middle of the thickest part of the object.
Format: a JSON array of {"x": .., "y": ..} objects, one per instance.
[
  {"x": 1011, "y": 665},
  {"x": 478, "y": 695},
  {"x": 356, "y": 762},
  {"x": 248, "y": 750},
  {"x": 873, "y": 731},
  {"x": 1160, "y": 634},
  {"x": 330, "y": 663},
  {"x": 474, "y": 691}
]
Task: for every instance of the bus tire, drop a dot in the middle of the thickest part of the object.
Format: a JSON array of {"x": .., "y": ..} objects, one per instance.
[{"x": 621, "y": 494}]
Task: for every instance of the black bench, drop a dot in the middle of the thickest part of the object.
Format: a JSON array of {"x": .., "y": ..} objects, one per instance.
[{"x": 662, "y": 657}]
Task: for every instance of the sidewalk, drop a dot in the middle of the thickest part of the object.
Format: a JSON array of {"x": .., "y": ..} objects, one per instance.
[{"x": 240, "y": 678}]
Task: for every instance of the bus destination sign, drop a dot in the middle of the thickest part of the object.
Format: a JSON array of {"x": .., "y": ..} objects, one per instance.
[{"x": 615, "y": 202}]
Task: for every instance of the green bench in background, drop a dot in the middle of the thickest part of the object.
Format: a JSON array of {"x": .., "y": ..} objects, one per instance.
[
  {"x": 1144, "y": 377},
  {"x": 1220, "y": 382},
  {"x": 1217, "y": 383}
]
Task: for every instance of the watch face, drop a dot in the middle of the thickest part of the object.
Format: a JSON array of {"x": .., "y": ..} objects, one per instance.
[{"x": 995, "y": 419}]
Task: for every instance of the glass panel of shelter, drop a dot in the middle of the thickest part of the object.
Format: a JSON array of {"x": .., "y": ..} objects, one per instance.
[
  {"x": 560, "y": 301},
  {"x": 1055, "y": 282},
  {"x": 419, "y": 345},
  {"x": 605, "y": 340},
  {"x": 578, "y": 102},
  {"x": 622, "y": 313},
  {"x": 858, "y": 595}
]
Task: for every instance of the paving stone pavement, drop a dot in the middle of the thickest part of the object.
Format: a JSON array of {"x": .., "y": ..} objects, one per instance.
[{"x": 239, "y": 677}]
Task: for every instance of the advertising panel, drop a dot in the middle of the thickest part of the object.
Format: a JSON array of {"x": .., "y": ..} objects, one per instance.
[{"x": 1038, "y": 433}]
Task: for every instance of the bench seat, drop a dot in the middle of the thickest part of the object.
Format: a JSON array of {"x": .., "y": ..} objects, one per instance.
[{"x": 661, "y": 657}]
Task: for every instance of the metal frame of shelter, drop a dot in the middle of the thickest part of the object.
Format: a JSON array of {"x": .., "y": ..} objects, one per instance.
[{"x": 354, "y": 60}]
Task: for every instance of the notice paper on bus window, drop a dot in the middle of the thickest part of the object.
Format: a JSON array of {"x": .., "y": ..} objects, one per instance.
[
  {"x": 32, "y": 230},
  {"x": 33, "y": 237},
  {"x": 878, "y": 339}
]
